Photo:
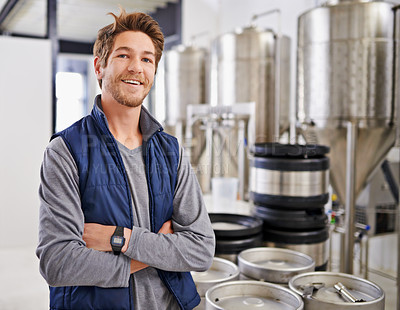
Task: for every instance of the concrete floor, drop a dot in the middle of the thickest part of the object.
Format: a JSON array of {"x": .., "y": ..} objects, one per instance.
[
  {"x": 22, "y": 287},
  {"x": 390, "y": 289}
]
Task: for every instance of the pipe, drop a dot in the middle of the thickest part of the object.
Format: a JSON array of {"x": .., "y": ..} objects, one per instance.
[
  {"x": 396, "y": 105},
  {"x": 256, "y": 16},
  {"x": 398, "y": 254},
  {"x": 209, "y": 154},
  {"x": 364, "y": 249},
  {"x": 350, "y": 196},
  {"x": 278, "y": 78},
  {"x": 241, "y": 158},
  {"x": 331, "y": 228},
  {"x": 342, "y": 253},
  {"x": 366, "y": 256}
]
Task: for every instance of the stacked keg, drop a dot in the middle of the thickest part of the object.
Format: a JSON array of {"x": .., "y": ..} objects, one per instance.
[
  {"x": 289, "y": 189},
  {"x": 235, "y": 233}
]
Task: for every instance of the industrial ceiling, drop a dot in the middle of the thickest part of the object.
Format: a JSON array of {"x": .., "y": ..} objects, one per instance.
[{"x": 77, "y": 20}]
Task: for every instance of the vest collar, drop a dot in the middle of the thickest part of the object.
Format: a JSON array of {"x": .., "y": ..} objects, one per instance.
[{"x": 147, "y": 123}]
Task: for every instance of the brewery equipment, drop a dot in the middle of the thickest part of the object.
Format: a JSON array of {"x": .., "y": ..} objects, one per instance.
[
  {"x": 223, "y": 133},
  {"x": 331, "y": 291},
  {"x": 273, "y": 265},
  {"x": 253, "y": 65},
  {"x": 289, "y": 175},
  {"x": 185, "y": 83},
  {"x": 221, "y": 271},
  {"x": 237, "y": 295},
  {"x": 289, "y": 188},
  {"x": 197, "y": 125},
  {"x": 235, "y": 233},
  {"x": 249, "y": 65},
  {"x": 346, "y": 92},
  {"x": 377, "y": 204}
]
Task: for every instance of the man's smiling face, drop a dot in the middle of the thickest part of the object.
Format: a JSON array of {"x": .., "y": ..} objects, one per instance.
[{"x": 129, "y": 73}]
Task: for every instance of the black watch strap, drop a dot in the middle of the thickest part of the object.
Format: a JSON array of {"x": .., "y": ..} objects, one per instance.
[
  {"x": 117, "y": 240},
  {"x": 119, "y": 231}
]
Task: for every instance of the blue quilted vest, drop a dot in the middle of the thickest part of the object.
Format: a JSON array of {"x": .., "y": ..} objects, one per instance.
[{"x": 106, "y": 199}]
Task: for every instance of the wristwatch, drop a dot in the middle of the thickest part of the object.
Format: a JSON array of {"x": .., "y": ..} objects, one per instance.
[{"x": 117, "y": 240}]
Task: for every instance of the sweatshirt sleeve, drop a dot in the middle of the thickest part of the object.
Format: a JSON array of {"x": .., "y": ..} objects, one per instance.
[
  {"x": 191, "y": 246},
  {"x": 64, "y": 258}
]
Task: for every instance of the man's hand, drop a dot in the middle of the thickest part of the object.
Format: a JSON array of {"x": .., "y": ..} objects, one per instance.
[
  {"x": 166, "y": 228},
  {"x": 98, "y": 237}
]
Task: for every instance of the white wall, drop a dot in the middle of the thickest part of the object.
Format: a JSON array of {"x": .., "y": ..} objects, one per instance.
[
  {"x": 216, "y": 17},
  {"x": 25, "y": 128}
]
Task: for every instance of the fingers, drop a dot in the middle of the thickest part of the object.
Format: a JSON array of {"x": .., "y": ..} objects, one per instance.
[
  {"x": 166, "y": 228},
  {"x": 136, "y": 265}
]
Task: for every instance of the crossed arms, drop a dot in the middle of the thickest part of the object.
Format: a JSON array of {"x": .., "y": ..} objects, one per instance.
[{"x": 98, "y": 236}]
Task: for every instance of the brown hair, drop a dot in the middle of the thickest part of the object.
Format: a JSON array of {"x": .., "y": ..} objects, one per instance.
[{"x": 127, "y": 22}]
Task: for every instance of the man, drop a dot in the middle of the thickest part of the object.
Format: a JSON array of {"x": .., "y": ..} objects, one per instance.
[{"x": 122, "y": 218}]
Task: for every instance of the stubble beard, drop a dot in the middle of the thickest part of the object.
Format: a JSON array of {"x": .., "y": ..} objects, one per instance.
[{"x": 114, "y": 88}]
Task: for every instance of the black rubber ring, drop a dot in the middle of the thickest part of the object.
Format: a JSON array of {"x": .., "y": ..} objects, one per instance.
[
  {"x": 297, "y": 237},
  {"x": 290, "y": 202},
  {"x": 238, "y": 245},
  {"x": 251, "y": 225},
  {"x": 284, "y": 164},
  {"x": 292, "y": 220},
  {"x": 288, "y": 150}
]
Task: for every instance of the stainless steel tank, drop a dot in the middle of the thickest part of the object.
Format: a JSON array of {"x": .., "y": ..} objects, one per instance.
[
  {"x": 346, "y": 94},
  {"x": 185, "y": 81},
  {"x": 245, "y": 64},
  {"x": 345, "y": 74}
]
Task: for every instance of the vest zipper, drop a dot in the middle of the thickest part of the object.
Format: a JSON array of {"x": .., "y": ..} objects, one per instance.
[{"x": 123, "y": 171}]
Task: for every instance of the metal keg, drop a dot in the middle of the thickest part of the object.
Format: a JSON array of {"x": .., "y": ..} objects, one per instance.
[
  {"x": 235, "y": 233},
  {"x": 220, "y": 271},
  {"x": 242, "y": 295},
  {"x": 289, "y": 176},
  {"x": 332, "y": 291},
  {"x": 273, "y": 265},
  {"x": 314, "y": 243}
]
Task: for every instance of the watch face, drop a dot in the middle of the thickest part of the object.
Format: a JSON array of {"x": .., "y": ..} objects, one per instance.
[{"x": 117, "y": 240}]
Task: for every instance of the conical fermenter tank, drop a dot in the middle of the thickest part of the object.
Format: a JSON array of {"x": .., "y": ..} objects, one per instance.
[{"x": 345, "y": 91}]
